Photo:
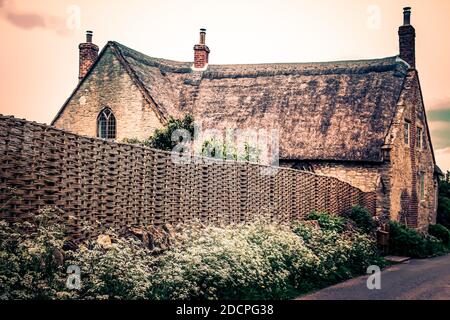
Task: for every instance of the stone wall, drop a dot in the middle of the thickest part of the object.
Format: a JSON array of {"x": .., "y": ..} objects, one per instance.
[
  {"x": 109, "y": 85},
  {"x": 121, "y": 185},
  {"x": 408, "y": 161}
]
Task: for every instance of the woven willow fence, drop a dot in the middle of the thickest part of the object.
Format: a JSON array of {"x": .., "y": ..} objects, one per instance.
[{"x": 123, "y": 185}]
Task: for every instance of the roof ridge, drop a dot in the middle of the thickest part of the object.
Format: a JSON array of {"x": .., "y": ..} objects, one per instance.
[
  {"x": 390, "y": 58},
  {"x": 122, "y": 46},
  {"x": 393, "y": 59}
]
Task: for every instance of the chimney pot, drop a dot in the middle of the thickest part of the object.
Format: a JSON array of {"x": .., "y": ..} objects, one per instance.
[
  {"x": 406, "y": 16},
  {"x": 202, "y": 36},
  {"x": 89, "y": 35}
]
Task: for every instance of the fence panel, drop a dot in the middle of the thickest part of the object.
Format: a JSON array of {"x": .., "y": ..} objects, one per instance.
[{"x": 118, "y": 184}]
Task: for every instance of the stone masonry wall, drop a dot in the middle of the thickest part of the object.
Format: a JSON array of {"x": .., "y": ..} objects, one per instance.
[
  {"x": 409, "y": 161},
  {"x": 134, "y": 117}
]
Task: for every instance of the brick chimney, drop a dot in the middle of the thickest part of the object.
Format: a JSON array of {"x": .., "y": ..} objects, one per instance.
[
  {"x": 201, "y": 52},
  {"x": 407, "y": 38},
  {"x": 88, "y": 55}
]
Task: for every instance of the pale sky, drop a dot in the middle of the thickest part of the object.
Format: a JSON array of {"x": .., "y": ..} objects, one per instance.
[{"x": 39, "y": 53}]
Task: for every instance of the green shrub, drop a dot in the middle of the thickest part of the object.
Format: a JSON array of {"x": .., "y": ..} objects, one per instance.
[
  {"x": 362, "y": 218},
  {"x": 363, "y": 253},
  {"x": 341, "y": 255},
  {"x": 443, "y": 210},
  {"x": 286, "y": 253},
  {"x": 237, "y": 262},
  {"x": 252, "y": 261},
  {"x": 406, "y": 241},
  {"x": 440, "y": 232},
  {"x": 33, "y": 264},
  {"x": 258, "y": 261},
  {"x": 229, "y": 151},
  {"x": 162, "y": 138},
  {"x": 118, "y": 271},
  {"x": 434, "y": 246},
  {"x": 31, "y": 258},
  {"x": 328, "y": 221}
]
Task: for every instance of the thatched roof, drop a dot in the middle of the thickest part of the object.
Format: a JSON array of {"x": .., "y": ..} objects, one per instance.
[{"x": 327, "y": 111}]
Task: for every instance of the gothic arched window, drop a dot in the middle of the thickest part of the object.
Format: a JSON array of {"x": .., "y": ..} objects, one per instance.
[{"x": 106, "y": 124}]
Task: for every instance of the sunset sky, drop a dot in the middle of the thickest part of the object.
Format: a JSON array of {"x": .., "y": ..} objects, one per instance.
[{"x": 39, "y": 48}]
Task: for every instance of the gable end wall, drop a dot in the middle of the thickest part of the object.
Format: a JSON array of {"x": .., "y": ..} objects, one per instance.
[
  {"x": 109, "y": 85},
  {"x": 407, "y": 161}
]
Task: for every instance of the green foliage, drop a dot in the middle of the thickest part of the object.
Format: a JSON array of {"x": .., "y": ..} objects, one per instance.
[
  {"x": 118, "y": 271},
  {"x": 214, "y": 149},
  {"x": 328, "y": 221},
  {"x": 31, "y": 258},
  {"x": 133, "y": 141},
  {"x": 226, "y": 151},
  {"x": 443, "y": 211},
  {"x": 406, "y": 241},
  {"x": 440, "y": 232},
  {"x": 258, "y": 261},
  {"x": 341, "y": 254},
  {"x": 251, "y": 153},
  {"x": 33, "y": 264},
  {"x": 362, "y": 218},
  {"x": 162, "y": 138},
  {"x": 252, "y": 261},
  {"x": 434, "y": 247},
  {"x": 245, "y": 262}
]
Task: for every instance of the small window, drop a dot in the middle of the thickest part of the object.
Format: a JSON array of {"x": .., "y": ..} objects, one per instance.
[
  {"x": 419, "y": 138},
  {"x": 106, "y": 124},
  {"x": 422, "y": 185},
  {"x": 406, "y": 133}
]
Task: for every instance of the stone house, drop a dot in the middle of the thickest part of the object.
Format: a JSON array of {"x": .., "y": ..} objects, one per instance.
[{"x": 363, "y": 121}]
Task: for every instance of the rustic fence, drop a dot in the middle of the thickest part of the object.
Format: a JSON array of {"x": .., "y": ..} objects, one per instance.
[{"x": 119, "y": 184}]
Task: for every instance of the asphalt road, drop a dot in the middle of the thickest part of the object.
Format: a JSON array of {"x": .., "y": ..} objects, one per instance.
[{"x": 413, "y": 280}]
